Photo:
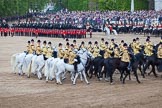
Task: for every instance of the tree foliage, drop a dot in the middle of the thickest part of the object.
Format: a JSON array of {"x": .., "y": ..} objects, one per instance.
[{"x": 20, "y": 7}]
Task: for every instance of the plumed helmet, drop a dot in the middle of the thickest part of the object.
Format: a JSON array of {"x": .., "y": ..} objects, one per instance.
[
  {"x": 96, "y": 42},
  {"x": 49, "y": 43},
  {"x": 134, "y": 40},
  {"x": 89, "y": 42},
  {"x": 147, "y": 39},
  {"x": 122, "y": 41},
  {"x": 125, "y": 44},
  {"x": 60, "y": 44},
  {"x": 38, "y": 41},
  {"x": 67, "y": 39},
  {"x": 67, "y": 43},
  {"x": 82, "y": 42},
  {"x": 137, "y": 38},
  {"x": 102, "y": 39},
  {"x": 106, "y": 42},
  {"x": 32, "y": 40},
  {"x": 112, "y": 39},
  {"x": 44, "y": 42},
  {"x": 74, "y": 40}
]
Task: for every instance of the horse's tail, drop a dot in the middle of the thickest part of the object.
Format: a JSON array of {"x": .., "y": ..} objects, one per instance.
[{"x": 13, "y": 62}]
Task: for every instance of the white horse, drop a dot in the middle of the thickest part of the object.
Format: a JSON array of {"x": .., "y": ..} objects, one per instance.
[
  {"x": 17, "y": 62},
  {"x": 62, "y": 67},
  {"x": 22, "y": 61},
  {"x": 37, "y": 65},
  {"x": 50, "y": 68}
]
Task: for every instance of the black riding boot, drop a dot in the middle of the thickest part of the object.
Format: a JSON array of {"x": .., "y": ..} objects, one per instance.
[
  {"x": 75, "y": 67},
  {"x": 129, "y": 66}
]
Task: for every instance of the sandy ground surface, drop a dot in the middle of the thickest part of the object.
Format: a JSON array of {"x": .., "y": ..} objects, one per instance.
[{"x": 22, "y": 92}]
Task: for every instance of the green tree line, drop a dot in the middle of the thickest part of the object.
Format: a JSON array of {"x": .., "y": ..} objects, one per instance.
[{"x": 21, "y": 7}]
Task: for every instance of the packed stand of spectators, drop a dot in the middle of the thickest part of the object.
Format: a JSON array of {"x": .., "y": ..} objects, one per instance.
[{"x": 77, "y": 22}]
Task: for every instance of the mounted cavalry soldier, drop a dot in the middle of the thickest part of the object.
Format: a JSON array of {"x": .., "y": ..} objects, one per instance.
[
  {"x": 49, "y": 50},
  {"x": 38, "y": 48},
  {"x": 73, "y": 57},
  {"x": 159, "y": 51},
  {"x": 32, "y": 47},
  {"x": 121, "y": 45},
  {"x": 159, "y": 56},
  {"x": 112, "y": 45},
  {"x": 44, "y": 49},
  {"x": 148, "y": 48},
  {"x": 96, "y": 50},
  {"x": 60, "y": 51},
  {"x": 82, "y": 45},
  {"x": 75, "y": 44},
  {"x": 90, "y": 47},
  {"x": 107, "y": 51},
  {"x": 125, "y": 56},
  {"x": 102, "y": 47}
]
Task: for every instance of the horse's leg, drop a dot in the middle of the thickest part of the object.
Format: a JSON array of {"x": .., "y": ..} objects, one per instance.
[
  {"x": 99, "y": 73},
  {"x": 127, "y": 73},
  {"x": 91, "y": 72},
  {"x": 121, "y": 75},
  {"x": 63, "y": 75},
  {"x": 76, "y": 76},
  {"x": 135, "y": 73},
  {"x": 111, "y": 77},
  {"x": 145, "y": 67},
  {"x": 153, "y": 70},
  {"x": 81, "y": 77},
  {"x": 86, "y": 71},
  {"x": 58, "y": 78},
  {"x": 84, "y": 75},
  {"x": 20, "y": 68},
  {"x": 129, "y": 76},
  {"x": 14, "y": 68},
  {"x": 142, "y": 74}
]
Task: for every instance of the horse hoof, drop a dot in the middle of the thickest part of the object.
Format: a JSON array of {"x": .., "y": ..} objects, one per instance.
[
  {"x": 19, "y": 74},
  {"x": 88, "y": 83},
  {"x": 46, "y": 81},
  {"x": 74, "y": 83},
  {"x": 139, "y": 82},
  {"x": 63, "y": 78},
  {"x": 111, "y": 83},
  {"x": 100, "y": 79},
  {"x": 28, "y": 76},
  {"x": 106, "y": 79},
  {"x": 40, "y": 78}
]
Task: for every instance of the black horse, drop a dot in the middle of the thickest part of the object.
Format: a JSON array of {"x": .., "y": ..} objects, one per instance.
[
  {"x": 137, "y": 62},
  {"x": 154, "y": 62},
  {"x": 96, "y": 67},
  {"x": 111, "y": 64}
]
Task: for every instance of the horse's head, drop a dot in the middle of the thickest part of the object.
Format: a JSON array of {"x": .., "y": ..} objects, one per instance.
[{"x": 85, "y": 52}]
